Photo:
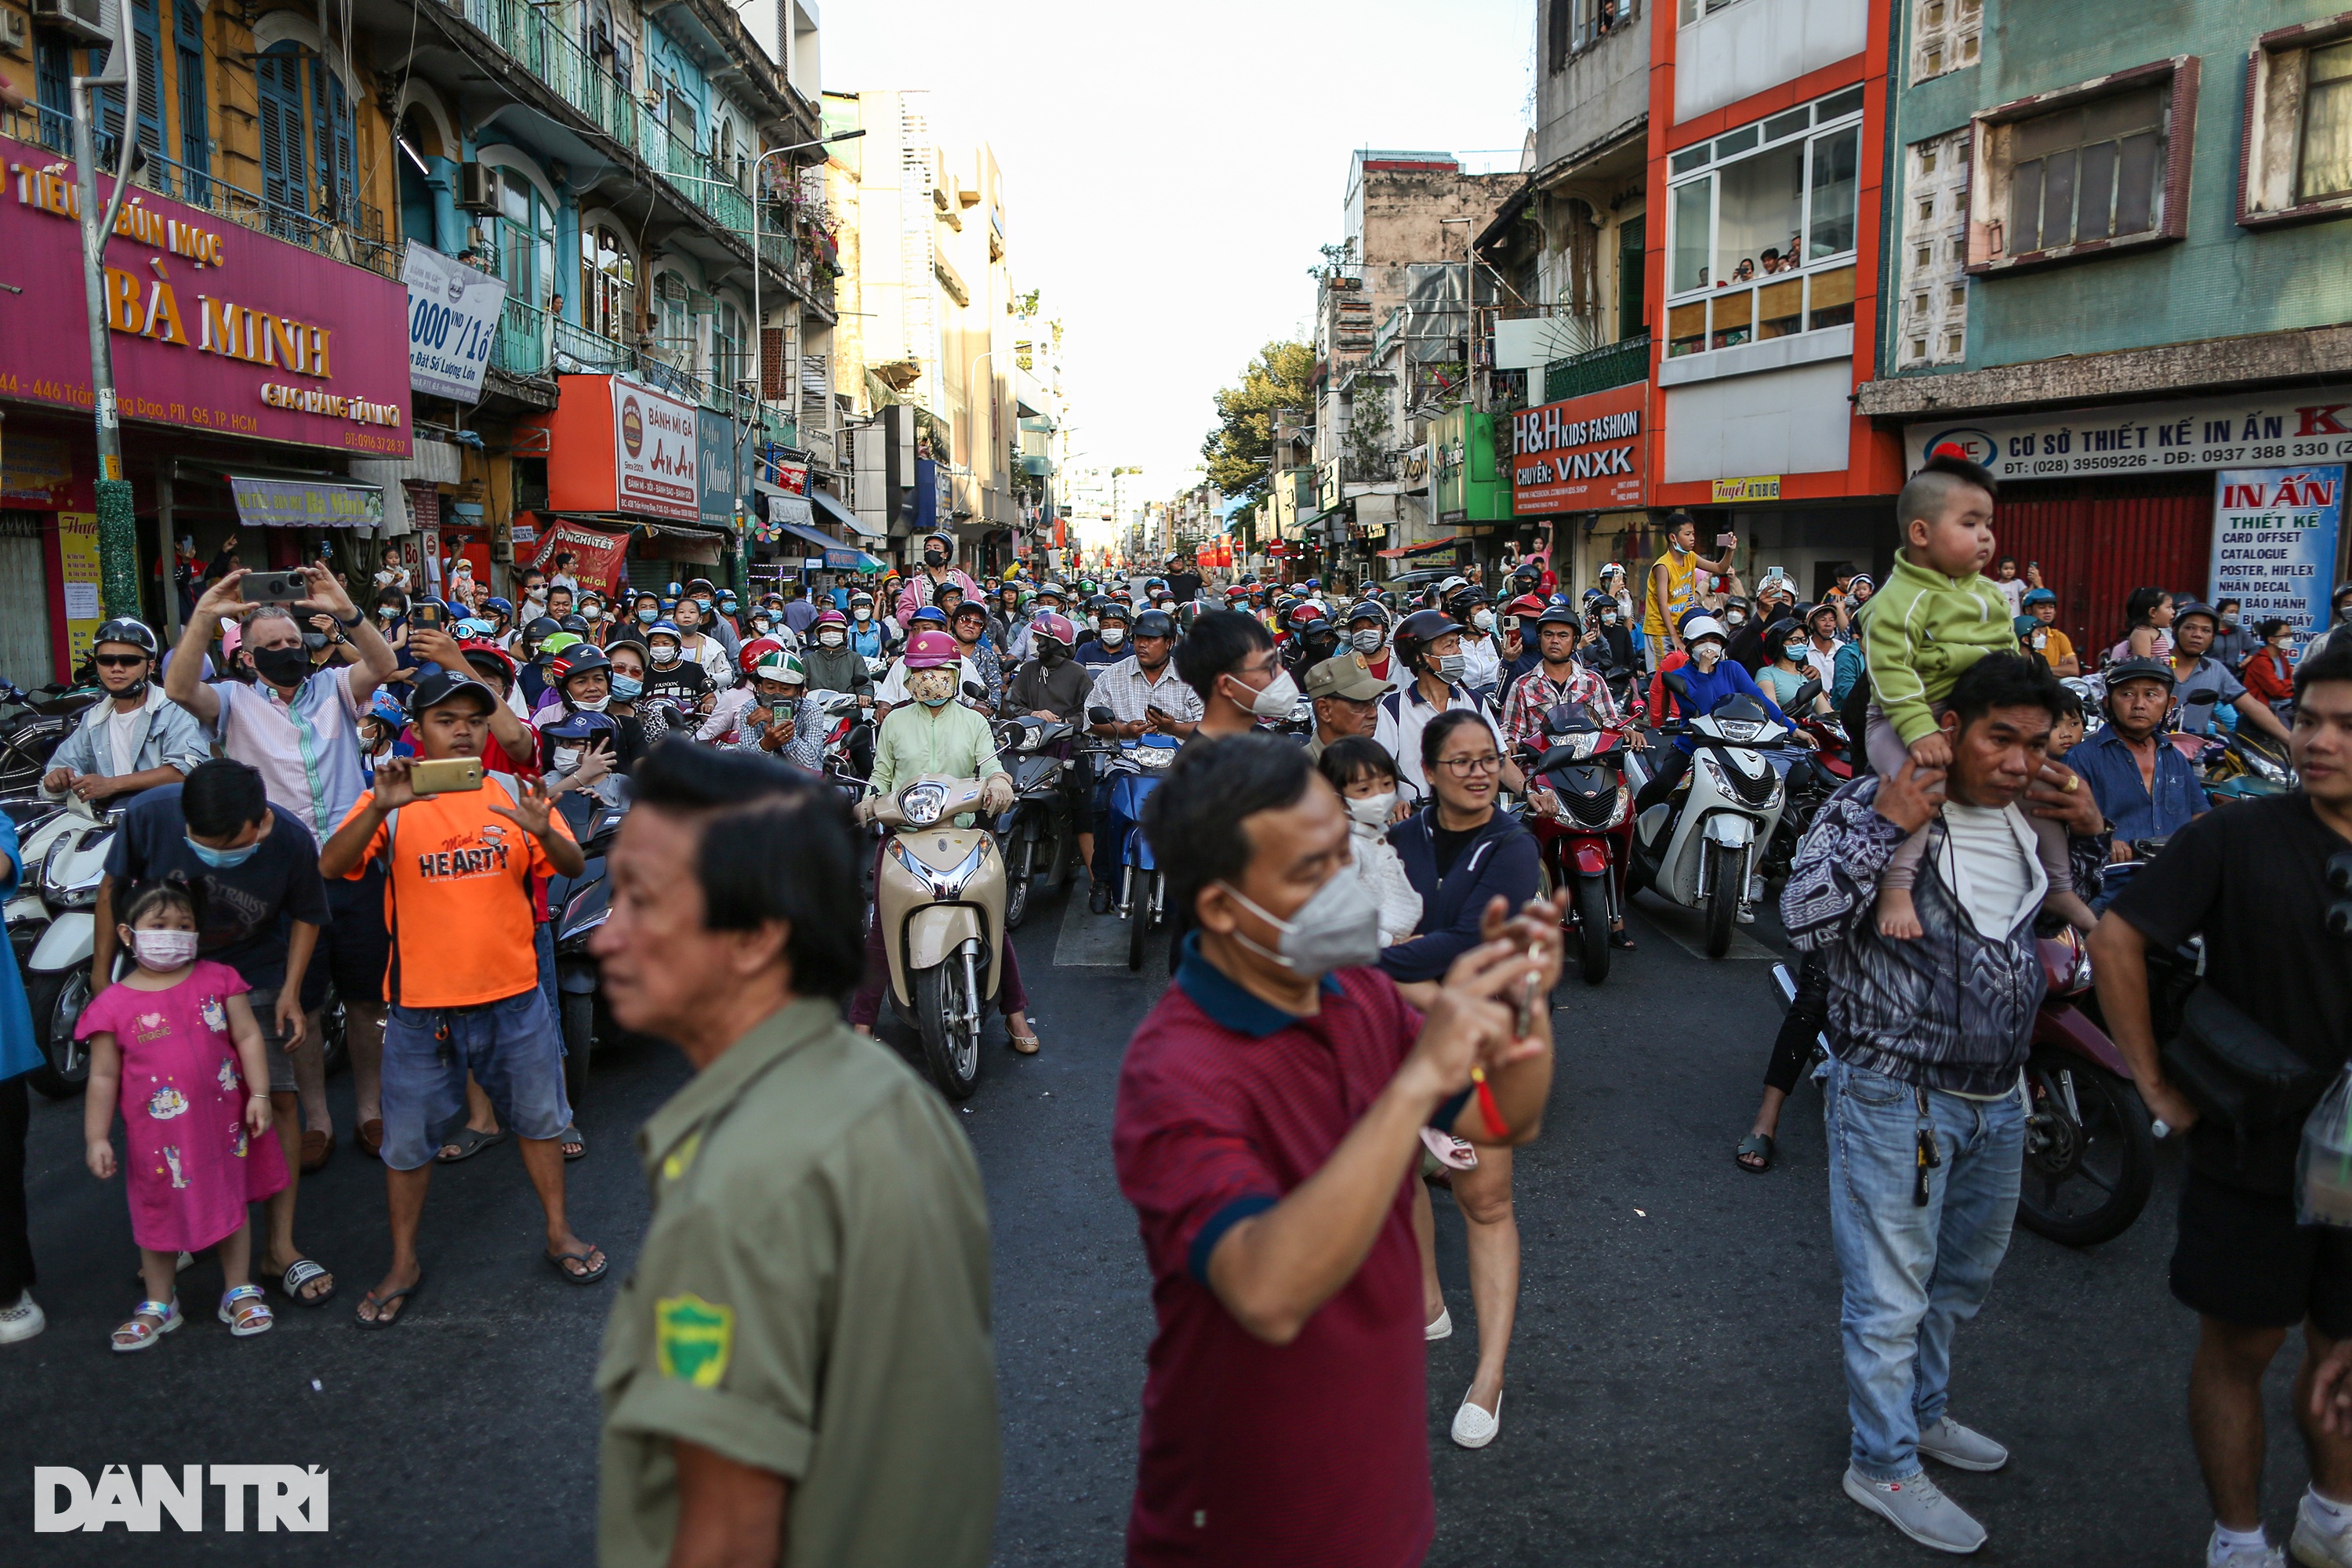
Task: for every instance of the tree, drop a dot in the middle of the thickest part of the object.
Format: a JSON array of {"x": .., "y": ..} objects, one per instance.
[{"x": 1238, "y": 449}]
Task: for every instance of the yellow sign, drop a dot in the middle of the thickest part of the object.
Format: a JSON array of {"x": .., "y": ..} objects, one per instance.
[
  {"x": 1763, "y": 487},
  {"x": 79, "y": 576}
]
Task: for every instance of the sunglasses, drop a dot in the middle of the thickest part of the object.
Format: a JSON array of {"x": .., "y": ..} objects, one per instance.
[{"x": 118, "y": 660}]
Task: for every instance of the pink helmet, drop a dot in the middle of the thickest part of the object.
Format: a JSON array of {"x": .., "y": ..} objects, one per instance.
[
  {"x": 932, "y": 650},
  {"x": 832, "y": 618},
  {"x": 1057, "y": 627}
]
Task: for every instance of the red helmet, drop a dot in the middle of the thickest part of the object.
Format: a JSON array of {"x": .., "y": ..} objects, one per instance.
[
  {"x": 1056, "y": 627},
  {"x": 933, "y": 651},
  {"x": 477, "y": 648},
  {"x": 1525, "y": 605},
  {"x": 755, "y": 650}
]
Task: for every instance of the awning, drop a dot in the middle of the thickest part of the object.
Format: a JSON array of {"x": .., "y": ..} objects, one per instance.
[
  {"x": 837, "y": 556},
  {"x": 292, "y": 501},
  {"x": 1425, "y": 548},
  {"x": 835, "y": 512}
]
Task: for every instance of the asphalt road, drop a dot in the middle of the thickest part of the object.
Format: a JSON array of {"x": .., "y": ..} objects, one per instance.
[{"x": 1673, "y": 1396}]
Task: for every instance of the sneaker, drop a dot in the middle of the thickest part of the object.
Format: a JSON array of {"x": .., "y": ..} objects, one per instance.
[
  {"x": 1914, "y": 1506},
  {"x": 1098, "y": 898},
  {"x": 2263, "y": 1556},
  {"x": 22, "y": 1320},
  {"x": 2316, "y": 1543},
  {"x": 1950, "y": 1443}
]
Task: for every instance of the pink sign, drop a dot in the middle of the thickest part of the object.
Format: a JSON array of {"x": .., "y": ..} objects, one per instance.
[{"x": 216, "y": 327}]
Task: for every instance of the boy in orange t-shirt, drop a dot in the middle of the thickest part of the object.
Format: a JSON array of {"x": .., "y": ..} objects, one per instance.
[{"x": 463, "y": 981}]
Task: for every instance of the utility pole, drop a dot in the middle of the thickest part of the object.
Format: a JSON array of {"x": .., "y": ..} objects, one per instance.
[{"x": 118, "y": 528}]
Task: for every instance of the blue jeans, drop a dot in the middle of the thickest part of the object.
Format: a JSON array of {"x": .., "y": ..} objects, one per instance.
[
  {"x": 1912, "y": 1273},
  {"x": 513, "y": 1049}
]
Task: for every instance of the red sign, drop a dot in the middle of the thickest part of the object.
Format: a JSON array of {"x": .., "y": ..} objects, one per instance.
[
  {"x": 615, "y": 446},
  {"x": 597, "y": 553},
  {"x": 216, "y": 327},
  {"x": 1584, "y": 454}
]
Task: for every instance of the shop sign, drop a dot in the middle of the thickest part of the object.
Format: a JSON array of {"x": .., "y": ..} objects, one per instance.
[
  {"x": 1760, "y": 487},
  {"x": 722, "y": 476},
  {"x": 2274, "y": 533},
  {"x": 77, "y": 578},
  {"x": 452, "y": 323},
  {"x": 613, "y": 445},
  {"x": 264, "y": 502},
  {"x": 2294, "y": 426},
  {"x": 35, "y": 472},
  {"x": 216, "y": 327},
  {"x": 1581, "y": 454},
  {"x": 654, "y": 455},
  {"x": 597, "y": 553}
]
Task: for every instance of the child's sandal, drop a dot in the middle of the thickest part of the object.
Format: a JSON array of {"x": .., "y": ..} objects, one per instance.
[
  {"x": 137, "y": 1335},
  {"x": 245, "y": 1314}
]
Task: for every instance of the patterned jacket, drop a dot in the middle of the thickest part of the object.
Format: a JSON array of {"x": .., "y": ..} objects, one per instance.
[{"x": 1951, "y": 1009}]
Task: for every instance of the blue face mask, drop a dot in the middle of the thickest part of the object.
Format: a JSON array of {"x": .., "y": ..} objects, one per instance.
[
  {"x": 222, "y": 859},
  {"x": 936, "y": 701},
  {"x": 624, "y": 688}
]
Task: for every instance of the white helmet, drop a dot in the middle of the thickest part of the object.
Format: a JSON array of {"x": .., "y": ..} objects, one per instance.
[{"x": 1699, "y": 626}]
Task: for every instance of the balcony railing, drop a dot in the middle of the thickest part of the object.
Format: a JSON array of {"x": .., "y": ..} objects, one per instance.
[
  {"x": 1619, "y": 363},
  {"x": 528, "y": 344}
]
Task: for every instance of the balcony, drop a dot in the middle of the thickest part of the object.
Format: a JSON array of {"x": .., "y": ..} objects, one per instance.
[
  {"x": 1619, "y": 363},
  {"x": 529, "y": 345}
]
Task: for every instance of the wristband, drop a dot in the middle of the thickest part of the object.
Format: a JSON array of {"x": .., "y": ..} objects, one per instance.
[{"x": 351, "y": 624}]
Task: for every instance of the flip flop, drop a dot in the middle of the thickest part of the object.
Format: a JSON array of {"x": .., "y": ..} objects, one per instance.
[
  {"x": 571, "y": 1134},
  {"x": 385, "y": 1300},
  {"x": 1758, "y": 1144},
  {"x": 300, "y": 1272},
  {"x": 556, "y": 1261},
  {"x": 468, "y": 1143},
  {"x": 1622, "y": 940}
]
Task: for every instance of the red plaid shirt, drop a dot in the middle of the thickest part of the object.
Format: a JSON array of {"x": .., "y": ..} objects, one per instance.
[{"x": 1536, "y": 693}]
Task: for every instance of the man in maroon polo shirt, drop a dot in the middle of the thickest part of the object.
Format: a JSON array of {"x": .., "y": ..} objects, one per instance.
[{"x": 1269, "y": 1117}]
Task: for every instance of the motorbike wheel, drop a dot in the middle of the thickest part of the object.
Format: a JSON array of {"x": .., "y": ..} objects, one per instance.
[
  {"x": 2088, "y": 1168},
  {"x": 579, "y": 1040},
  {"x": 25, "y": 755},
  {"x": 951, "y": 1046},
  {"x": 57, "y": 1001},
  {"x": 1723, "y": 881},
  {"x": 1020, "y": 867},
  {"x": 1592, "y": 928},
  {"x": 1139, "y": 919},
  {"x": 334, "y": 1035}
]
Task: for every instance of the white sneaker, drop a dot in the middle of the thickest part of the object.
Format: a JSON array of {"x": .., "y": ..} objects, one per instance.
[
  {"x": 1949, "y": 1442},
  {"x": 2263, "y": 1556},
  {"x": 1473, "y": 1428},
  {"x": 2316, "y": 1543},
  {"x": 22, "y": 1320},
  {"x": 1442, "y": 1328},
  {"x": 1917, "y": 1508}
]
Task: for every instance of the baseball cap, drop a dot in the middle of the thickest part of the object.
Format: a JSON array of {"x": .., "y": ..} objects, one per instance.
[
  {"x": 1344, "y": 678},
  {"x": 439, "y": 685}
]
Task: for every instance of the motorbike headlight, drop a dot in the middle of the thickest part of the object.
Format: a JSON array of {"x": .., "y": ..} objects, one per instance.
[
  {"x": 1032, "y": 736},
  {"x": 1714, "y": 771},
  {"x": 81, "y": 897},
  {"x": 921, "y": 804}
]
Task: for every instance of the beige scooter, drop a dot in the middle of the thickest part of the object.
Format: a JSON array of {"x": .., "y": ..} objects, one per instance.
[{"x": 939, "y": 898}]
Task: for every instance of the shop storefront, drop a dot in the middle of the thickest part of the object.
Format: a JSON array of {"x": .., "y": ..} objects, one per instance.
[
  {"x": 625, "y": 459},
  {"x": 1582, "y": 466},
  {"x": 2237, "y": 496},
  {"x": 250, "y": 374}
]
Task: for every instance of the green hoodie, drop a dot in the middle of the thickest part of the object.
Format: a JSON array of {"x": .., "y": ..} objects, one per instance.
[{"x": 1922, "y": 629}]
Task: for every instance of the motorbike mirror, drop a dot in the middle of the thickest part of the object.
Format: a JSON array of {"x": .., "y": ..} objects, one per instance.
[
  {"x": 1098, "y": 715},
  {"x": 1673, "y": 680},
  {"x": 1805, "y": 695}
]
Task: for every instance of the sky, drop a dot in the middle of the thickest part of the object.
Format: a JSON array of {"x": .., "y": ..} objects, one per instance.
[{"x": 1170, "y": 170}]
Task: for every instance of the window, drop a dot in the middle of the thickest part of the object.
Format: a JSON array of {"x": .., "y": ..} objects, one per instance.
[
  {"x": 195, "y": 133},
  {"x": 1632, "y": 315},
  {"x": 728, "y": 347},
  {"x": 2298, "y": 133},
  {"x": 1763, "y": 228},
  {"x": 608, "y": 285},
  {"x": 1694, "y": 9},
  {"x": 1573, "y": 27},
  {"x": 526, "y": 240},
  {"x": 1945, "y": 36},
  {"x": 2083, "y": 171},
  {"x": 1932, "y": 326}
]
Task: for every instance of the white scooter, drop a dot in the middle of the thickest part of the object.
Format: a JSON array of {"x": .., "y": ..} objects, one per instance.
[
  {"x": 1702, "y": 849},
  {"x": 65, "y": 860}
]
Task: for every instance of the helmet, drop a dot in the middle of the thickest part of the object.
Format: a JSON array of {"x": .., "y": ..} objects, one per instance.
[
  {"x": 559, "y": 641},
  {"x": 1151, "y": 584},
  {"x": 932, "y": 650},
  {"x": 1558, "y": 614},
  {"x": 501, "y": 606},
  {"x": 583, "y": 659},
  {"x": 1054, "y": 628},
  {"x": 1418, "y": 630},
  {"x": 1306, "y": 618},
  {"x": 477, "y": 650},
  {"x": 859, "y": 597},
  {"x": 1785, "y": 628},
  {"x": 779, "y": 667},
  {"x": 386, "y": 708},
  {"x": 1525, "y": 605},
  {"x": 1371, "y": 610},
  {"x": 129, "y": 629},
  {"x": 756, "y": 649},
  {"x": 664, "y": 628},
  {"x": 576, "y": 625},
  {"x": 2044, "y": 596},
  {"x": 579, "y": 726},
  {"x": 1699, "y": 626},
  {"x": 2125, "y": 670},
  {"x": 832, "y": 618},
  {"x": 928, "y": 615},
  {"x": 1113, "y": 610},
  {"x": 540, "y": 628},
  {"x": 1155, "y": 624}
]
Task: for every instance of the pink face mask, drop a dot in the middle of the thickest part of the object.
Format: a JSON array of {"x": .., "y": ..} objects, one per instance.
[{"x": 163, "y": 950}]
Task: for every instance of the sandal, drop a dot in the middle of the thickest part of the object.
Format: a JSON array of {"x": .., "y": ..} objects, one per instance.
[
  {"x": 1619, "y": 940},
  {"x": 245, "y": 1314},
  {"x": 318, "y": 1148},
  {"x": 370, "y": 1138},
  {"x": 1756, "y": 1147},
  {"x": 396, "y": 1300},
  {"x": 567, "y": 1140},
  {"x": 468, "y": 1142},
  {"x": 1024, "y": 1045},
  {"x": 586, "y": 1275},
  {"x": 301, "y": 1272},
  {"x": 136, "y": 1335}
]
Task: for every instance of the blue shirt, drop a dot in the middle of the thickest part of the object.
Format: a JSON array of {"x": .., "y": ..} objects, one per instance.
[
  {"x": 1706, "y": 691},
  {"x": 2107, "y": 762}
]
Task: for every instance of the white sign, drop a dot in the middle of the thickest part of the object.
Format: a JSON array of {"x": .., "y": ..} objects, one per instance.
[
  {"x": 789, "y": 508},
  {"x": 284, "y": 1496},
  {"x": 653, "y": 453},
  {"x": 2299, "y": 425},
  {"x": 453, "y": 322},
  {"x": 2274, "y": 533}
]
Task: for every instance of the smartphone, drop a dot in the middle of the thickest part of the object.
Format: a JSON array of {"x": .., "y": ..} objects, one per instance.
[
  {"x": 273, "y": 587},
  {"x": 1727, "y": 539},
  {"x": 447, "y": 775},
  {"x": 430, "y": 614}
]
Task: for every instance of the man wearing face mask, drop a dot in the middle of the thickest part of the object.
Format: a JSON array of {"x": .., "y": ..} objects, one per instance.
[
  {"x": 1520, "y": 653},
  {"x": 1108, "y": 645},
  {"x": 1053, "y": 685},
  {"x": 1144, "y": 694},
  {"x": 922, "y": 588},
  {"x": 133, "y": 740},
  {"x": 1270, "y": 1113},
  {"x": 1429, "y": 646},
  {"x": 1228, "y": 660},
  {"x": 831, "y": 663},
  {"x": 1368, "y": 638}
]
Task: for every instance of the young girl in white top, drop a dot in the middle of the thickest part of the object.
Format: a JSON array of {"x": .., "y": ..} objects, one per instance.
[{"x": 1364, "y": 773}]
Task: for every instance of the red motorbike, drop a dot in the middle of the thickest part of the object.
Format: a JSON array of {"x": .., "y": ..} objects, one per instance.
[{"x": 1585, "y": 833}]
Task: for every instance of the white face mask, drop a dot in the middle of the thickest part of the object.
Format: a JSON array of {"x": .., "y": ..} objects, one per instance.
[
  {"x": 862, "y": 612},
  {"x": 1372, "y": 811},
  {"x": 567, "y": 758},
  {"x": 163, "y": 948},
  {"x": 595, "y": 706},
  {"x": 1449, "y": 666},
  {"x": 1484, "y": 620},
  {"x": 829, "y": 638},
  {"x": 664, "y": 655},
  {"x": 1338, "y": 928},
  {"x": 592, "y": 612},
  {"x": 1278, "y": 697},
  {"x": 1113, "y": 636}
]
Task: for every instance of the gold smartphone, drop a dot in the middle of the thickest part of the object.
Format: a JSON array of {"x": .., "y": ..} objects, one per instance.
[{"x": 448, "y": 774}]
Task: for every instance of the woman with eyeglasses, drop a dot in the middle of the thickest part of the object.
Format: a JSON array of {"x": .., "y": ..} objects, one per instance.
[{"x": 1461, "y": 854}]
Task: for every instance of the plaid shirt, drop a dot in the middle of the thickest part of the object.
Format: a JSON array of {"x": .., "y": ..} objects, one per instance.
[
  {"x": 1126, "y": 691},
  {"x": 1536, "y": 693}
]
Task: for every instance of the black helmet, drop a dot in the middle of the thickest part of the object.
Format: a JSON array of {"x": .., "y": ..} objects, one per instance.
[
  {"x": 1777, "y": 635},
  {"x": 1556, "y": 614},
  {"x": 541, "y": 628},
  {"x": 1108, "y": 609},
  {"x": 1155, "y": 624},
  {"x": 1418, "y": 630},
  {"x": 129, "y": 629},
  {"x": 576, "y": 625},
  {"x": 1369, "y": 610}
]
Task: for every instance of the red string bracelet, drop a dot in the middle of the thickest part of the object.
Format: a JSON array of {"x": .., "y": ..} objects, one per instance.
[{"x": 1488, "y": 1112}]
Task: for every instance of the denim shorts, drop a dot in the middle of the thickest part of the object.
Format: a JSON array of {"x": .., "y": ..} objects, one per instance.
[
  {"x": 264, "y": 1002},
  {"x": 513, "y": 1049}
]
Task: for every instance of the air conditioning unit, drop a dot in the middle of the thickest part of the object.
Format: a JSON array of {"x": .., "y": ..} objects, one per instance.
[
  {"x": 15, "y": 36},
  {"x": 478, "y": 188},
  {"x": 88, "y": 19}
]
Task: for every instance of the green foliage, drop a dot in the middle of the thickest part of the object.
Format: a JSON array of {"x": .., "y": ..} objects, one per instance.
[{"x": 1237, "y": 450}]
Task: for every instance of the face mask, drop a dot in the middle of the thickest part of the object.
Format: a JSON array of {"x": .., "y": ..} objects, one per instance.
[
  {"x": 1278, "y": 697},
  {"x": 1113, "y": 636},
  {"x": 1449, "y": 666},
  {"x": 595, "y": 706},
  {"x": 164, "y": 949},
  {"x": 590, "y": 613},
  {"x": 282, "y": 666},
  {"x": 862, "y": 613},
  {"x": 567, "y": 758},
  {"x": 1608, "y": 617},
  {"x": 1484, "y": 620},
  {"x": 829, "y": 639},
  {"x": 1706, "y": 655},
  {"x": 934, "y": 560},
  {"x": 1053, "y": 654},
  {"x": 2227, "y": 622},
  {"x": 1365, "y": 641},
  {"x": 222, "y": 859},
  {"x": 314, "y": 641},
  {"x": 537, "y": 596},
  {"x": 664, "y": 656},
  {"x": 1373, "y": 810},
  {"x": 388, "y": 612},
  {"x": 1733, "y": 619},
  {"x": 931, "y": 687},
  {"x": 647, "y": 617},
  {"x": 1794, "y": 653},
  {"x": 760, "y": 623},
  {"x": 625, "y": 687},
  {"x": 1338, "y": 928}
]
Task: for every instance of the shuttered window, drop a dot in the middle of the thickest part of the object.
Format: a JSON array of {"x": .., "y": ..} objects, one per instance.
[
  {"x": 2098, "y": 539},
  {"x": 337, "y": 159},
  {"x": 195, "y": 122},
  {"x": 279, "y": 74},
  {"x": 52, "y": 74},
  {"x": 147, "y": 43},
  {"x": 26, "y": 656}
]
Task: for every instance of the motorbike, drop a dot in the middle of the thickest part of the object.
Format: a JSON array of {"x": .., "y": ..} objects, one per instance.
[
  {"x": 1135, "y": 768},
  {"x": 848, "y": 743},
  {"x": 939, "y": 898},
  {"x": 2233, "y": 765},
  {"x": 1035, "y": 832},
  {"x": 65, "y": 860},
  {"x": 1833, "y": 765},
  {"x": 1703, "y": 849},
  {"x": 1586, "y": 838},
  {"x": 582, "y": 904},
  {"x": 29, "y": 736}
]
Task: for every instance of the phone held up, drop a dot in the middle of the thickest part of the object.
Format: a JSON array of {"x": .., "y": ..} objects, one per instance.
[
  {"x": 444, "y": 775},
  {"x": 429, "y": 614},
  {"x": 273, "y": 587}
]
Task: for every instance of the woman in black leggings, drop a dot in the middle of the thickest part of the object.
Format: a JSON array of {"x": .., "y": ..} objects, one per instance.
[{"x": 1792, "y": 1049}]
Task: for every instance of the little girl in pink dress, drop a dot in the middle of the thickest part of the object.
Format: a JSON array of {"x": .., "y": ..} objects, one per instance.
[{"x": 175, "y": 1042}]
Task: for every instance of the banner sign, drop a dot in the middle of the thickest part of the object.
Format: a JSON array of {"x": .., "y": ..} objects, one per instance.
[
  {"x": 305, "y": 503},
  {"x": 215, "y": 328},
  {"x": 75, "y": 605},
  {"x": 2294, "y": 425},
  {"x": 2274, "y": 533},
  {"x": 598, "y": 554},
  {"x": 1582, "y": 454},
  {"x": 452, "y": 323},
  {"x": 655, "y": 463}
]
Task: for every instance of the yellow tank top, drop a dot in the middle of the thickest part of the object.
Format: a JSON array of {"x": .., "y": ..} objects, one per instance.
[{"x": 1682, "y": 582}]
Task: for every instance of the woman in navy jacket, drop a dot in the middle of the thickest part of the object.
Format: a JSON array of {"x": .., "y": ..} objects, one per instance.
[{"x": 1461, "y": 854}]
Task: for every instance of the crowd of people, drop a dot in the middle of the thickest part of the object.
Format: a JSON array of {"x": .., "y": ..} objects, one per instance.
[{"x": 1363, "y": 948}]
